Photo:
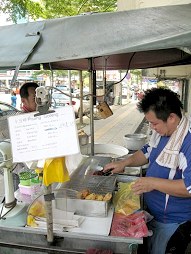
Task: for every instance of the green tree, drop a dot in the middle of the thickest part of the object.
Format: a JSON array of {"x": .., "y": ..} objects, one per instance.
[
  {"x": 70, "y": 8},
  {"x": 59, "y": 74},
  {"x": 137, "y": 75},
  {"x": 47, "y": 9},
  {"x": 17, "y": 9}
]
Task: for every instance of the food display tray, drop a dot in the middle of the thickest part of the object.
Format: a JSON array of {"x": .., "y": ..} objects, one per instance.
[
  {"x": 70, "y": 200},
  {"x": 90, "y": 208}
]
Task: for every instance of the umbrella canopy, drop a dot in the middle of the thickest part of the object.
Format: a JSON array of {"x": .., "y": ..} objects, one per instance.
[{"x": 142, "y": 38}]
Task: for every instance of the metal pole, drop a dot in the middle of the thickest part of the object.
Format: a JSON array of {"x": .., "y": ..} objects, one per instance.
[
  {"x": 69, "y": 81},
  {"x": 120, "y": 96},
  {"x": 49, "y": 215},
  {"x": 91, "y": 105},
  {"x": 81, "y": 98}
]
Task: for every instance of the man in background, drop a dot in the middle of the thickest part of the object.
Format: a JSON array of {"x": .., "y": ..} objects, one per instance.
[{"x": 27, "y": 93}]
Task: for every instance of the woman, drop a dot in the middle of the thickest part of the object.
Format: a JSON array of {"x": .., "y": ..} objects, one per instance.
[{"x": 13, "y": 99}]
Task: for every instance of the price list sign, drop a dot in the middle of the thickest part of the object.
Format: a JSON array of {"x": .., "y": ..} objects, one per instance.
[{"x": 44, "y": 136}]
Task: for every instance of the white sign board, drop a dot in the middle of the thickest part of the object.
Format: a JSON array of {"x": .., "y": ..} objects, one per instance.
[{"x": 46, "y": 136}]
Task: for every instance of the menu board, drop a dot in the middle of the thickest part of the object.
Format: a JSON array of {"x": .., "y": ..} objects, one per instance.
[{"x": 43, "y": 136}]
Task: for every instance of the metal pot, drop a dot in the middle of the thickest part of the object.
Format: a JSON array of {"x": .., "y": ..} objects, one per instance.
[
  {"x": 134, "y": 141},
  {"x": 83, "y": 139}
]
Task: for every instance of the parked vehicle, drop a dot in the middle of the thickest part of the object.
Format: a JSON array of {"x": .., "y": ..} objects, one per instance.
[
  {"x": 62, "y": 88},
  {"x": 60, "y": 100},
  {"x": 4, "y": 89},
  {"x": 7, "y": 110}
]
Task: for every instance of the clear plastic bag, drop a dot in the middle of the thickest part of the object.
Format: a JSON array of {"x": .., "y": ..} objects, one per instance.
[
  {"x": 133, "y": 225},
  {"x": 125, "y": 201}
]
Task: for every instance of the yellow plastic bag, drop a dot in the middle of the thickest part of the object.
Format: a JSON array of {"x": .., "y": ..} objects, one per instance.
[
  {"x": 125, "y": 201},
  {"x": 37, "y": 208},
  {"x": 55, "y": 171}
]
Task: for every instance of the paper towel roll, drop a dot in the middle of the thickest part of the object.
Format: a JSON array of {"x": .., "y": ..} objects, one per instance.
[{"x": 5, "y": 154}]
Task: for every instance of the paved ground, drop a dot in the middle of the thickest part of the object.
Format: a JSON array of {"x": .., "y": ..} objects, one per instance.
[{"x": 125, "y": 120}]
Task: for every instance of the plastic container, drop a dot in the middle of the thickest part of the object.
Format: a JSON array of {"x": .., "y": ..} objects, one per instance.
[
  {"x": 135, "y": 141},
  {"x": 26, "y": 190},
  {"x": 30, "y": 190},
  {"x": 25, "y": 178}
]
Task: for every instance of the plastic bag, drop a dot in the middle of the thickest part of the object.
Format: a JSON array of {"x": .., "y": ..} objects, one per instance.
[
  {"x": 98, "y": 251},
  {"x": 55, "y": 171},
  {"x": 37, "y": 208},
  {"x": 133, "y": 225},
  {"x": 125, "y": 201}
]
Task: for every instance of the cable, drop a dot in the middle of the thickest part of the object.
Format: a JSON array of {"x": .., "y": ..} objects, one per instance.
[
  {"x": 127, "y": 69},
  {"x": 124, "y": 75},
  {"x": 104, "y": 95}
]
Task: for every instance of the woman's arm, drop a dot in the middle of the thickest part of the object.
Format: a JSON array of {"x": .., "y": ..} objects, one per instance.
[
  {"x": 175, "y": 188},
  {"x": 137, "y": 159}
]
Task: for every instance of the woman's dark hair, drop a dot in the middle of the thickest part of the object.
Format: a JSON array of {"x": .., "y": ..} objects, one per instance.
[
  {"x": 162, "y": 102},
  {"x": 24, "y": 89}
]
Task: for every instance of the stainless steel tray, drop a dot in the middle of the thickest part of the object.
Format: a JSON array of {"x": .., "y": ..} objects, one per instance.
[
  {"x": 91, "y": 208},
  {"x": 68, "y": 201}
]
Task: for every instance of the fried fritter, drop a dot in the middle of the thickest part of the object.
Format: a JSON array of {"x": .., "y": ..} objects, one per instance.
[
  {"x": 107, "y": 197},
  {"x": 91, "y": 196},
  {"x": 85, "y": 193},
  {"x": 99, "y": 197}
]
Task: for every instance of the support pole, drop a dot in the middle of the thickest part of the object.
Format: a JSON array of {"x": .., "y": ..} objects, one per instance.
[
  {"x": 91, "y": 105},
  {"x": 81, "y": 99},
  {"x": 49, "y": 215},
  {"x": 69, "y": 82}
]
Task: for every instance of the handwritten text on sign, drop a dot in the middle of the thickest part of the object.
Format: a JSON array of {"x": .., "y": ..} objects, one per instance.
[{"x": 45, "y": 136}]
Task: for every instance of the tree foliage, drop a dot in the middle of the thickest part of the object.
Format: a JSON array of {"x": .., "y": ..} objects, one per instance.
[
  {"x": 47, "y": 9},
  {"x": 18, "y": 9},
  {"x": 70, "y": 8}
]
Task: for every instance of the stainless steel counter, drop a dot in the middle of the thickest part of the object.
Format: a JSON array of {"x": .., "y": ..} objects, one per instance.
[
  {"x": 21, "y": 240},
  {"x": 18, "y": 240}
]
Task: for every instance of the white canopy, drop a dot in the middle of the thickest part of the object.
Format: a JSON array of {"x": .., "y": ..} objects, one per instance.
[{"x": 142, "y": 38}]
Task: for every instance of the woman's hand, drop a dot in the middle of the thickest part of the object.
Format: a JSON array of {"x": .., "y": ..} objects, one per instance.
[
  {"x": 175, "y": 188},
  {"x": 115, "y": 167},
  {"x": 142, "y": 185}
]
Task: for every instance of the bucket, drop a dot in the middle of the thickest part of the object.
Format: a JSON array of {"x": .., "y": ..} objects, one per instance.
[{"x": 135, "y": 141}]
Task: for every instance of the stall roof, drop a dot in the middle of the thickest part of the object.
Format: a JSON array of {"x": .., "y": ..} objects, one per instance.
[{"x": 142, "y": 38}]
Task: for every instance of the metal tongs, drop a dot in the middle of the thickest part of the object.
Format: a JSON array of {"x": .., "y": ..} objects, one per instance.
[{"x": 107, "y": 173}]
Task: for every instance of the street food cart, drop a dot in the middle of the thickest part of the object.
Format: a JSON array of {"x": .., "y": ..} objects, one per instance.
[
  {"x": 93, "y": 231},
  {"x": 32, "y": 240},
  {"x": 62, "y": 44}
]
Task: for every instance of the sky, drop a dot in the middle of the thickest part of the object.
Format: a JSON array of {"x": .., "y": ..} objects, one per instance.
[{"x": 3, "y": 20}]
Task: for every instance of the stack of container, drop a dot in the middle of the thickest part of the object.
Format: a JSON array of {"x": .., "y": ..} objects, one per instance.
[{"x": 29, "y": 183}]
